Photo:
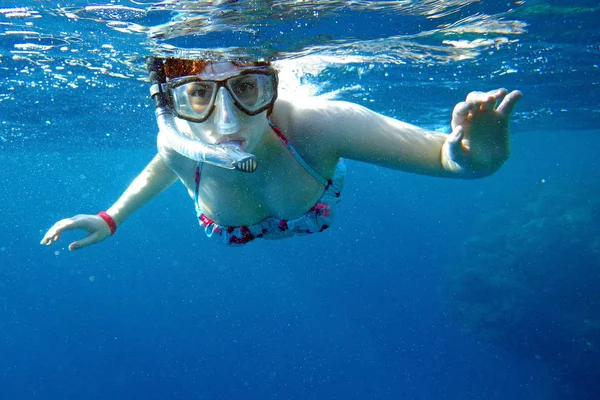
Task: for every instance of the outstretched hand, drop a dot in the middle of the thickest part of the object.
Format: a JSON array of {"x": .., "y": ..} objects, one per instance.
[
  {"x": 479, "y": 142},
  {"x": 96, "y": 227}
]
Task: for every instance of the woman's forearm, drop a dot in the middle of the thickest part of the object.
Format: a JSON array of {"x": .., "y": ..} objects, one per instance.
[{"x": 155, "y": 178}]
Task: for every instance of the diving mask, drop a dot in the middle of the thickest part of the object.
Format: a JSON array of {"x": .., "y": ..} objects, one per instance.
[{"x": 253, "y": 91}]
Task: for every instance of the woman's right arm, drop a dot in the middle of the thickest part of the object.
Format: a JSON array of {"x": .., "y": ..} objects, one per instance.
[{"x": 155, "y": 178}]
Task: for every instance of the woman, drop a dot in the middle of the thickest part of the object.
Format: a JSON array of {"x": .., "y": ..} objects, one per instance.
[{"x": 230, "y": 111}]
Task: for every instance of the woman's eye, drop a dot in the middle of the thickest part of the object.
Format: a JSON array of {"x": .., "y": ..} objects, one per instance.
[
  {"x": 246, "y": 88},
  {"x": 198, "y": 91}
]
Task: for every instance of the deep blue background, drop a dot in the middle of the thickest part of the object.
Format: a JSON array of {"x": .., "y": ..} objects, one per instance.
[{"x": 160, "y": 312}]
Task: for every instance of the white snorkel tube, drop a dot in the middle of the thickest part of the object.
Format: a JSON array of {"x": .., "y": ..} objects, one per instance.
[{"x": 227, "y": 156}]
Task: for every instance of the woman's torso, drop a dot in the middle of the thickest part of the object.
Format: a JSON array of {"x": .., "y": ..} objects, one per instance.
[{"x": 280, "y": 187}]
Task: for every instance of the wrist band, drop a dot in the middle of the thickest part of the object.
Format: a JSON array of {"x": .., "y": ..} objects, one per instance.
[{"x": 109, "y": 221}]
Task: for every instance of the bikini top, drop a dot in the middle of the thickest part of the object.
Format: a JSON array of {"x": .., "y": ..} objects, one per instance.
[{"x": 317, "y": 219}]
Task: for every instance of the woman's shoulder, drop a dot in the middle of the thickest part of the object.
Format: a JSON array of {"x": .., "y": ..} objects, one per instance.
[
  {"x": 304, "y": 115},
  {"x": 318, "y": 115},
  {"x": 308, "y": 127},
  {"x": 296, "y": 117},
  {"x": 310, "y": 105}
]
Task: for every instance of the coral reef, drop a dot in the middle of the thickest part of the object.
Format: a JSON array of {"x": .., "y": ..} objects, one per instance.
[{"x": 530, "y": 281}]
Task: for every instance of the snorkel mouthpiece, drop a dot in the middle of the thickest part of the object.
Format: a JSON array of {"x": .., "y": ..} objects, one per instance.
[
  {"x": 228, "y": 155},
  {"x": 241, "y": 160}
]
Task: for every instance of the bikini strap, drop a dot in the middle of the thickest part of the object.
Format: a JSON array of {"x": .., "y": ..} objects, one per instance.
[{"x": 296, "y": 155}]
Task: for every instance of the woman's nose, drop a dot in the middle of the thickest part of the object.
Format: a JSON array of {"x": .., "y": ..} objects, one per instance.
[{"x": 227, "y": 120}]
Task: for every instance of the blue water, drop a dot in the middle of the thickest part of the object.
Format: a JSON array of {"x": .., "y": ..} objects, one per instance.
[{"x": 358, "y": 312}]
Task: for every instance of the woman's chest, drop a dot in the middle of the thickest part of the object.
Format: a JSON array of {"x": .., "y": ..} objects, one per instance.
[{"x": 234, "y": 198}]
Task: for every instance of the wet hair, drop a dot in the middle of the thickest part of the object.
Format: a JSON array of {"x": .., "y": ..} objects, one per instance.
[{"x": 176, "y": 67}]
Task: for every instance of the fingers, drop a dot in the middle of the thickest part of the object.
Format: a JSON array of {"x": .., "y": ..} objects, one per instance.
[
  {"x": 79, "y": 244},
  {"x": 456, "y": 136},
  {"x": 457, "y": 142},
  {"x": 480, "y": 102},
  {"x": 485, "y": 101},
  {"x": 455, "y": 149},
  {"x": 508, "y": 103},
  {"x": 58, "y": 228},
  {"x": 460, "y": 113},
  {"x": 476, "y": 102},
  {"x": 53, "y": 233}
]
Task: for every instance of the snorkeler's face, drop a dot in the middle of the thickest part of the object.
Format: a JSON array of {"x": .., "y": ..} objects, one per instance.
[
  {"x": 252, "y": 89},
  {"x": 224, "y": 103}
]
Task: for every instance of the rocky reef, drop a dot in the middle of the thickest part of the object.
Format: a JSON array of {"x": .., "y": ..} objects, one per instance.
[{"x": 529, "y": 281}]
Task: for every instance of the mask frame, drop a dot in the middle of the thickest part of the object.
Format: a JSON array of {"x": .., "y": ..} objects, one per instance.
[{"x": 175, "y": 86}]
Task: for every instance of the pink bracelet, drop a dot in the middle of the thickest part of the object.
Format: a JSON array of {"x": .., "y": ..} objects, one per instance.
[{"x": 109, "y": 221}]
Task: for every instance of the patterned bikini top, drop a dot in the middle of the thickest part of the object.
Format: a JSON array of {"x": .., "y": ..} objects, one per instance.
[{"x": 317, "y": 219}]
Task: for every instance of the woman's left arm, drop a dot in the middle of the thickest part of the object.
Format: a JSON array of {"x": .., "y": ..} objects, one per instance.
[{"x": 477, "y": 146}]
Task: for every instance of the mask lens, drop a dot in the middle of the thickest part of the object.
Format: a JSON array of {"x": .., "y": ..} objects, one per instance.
[
  {"x": 193, "y": 100},
  {"x": 253, "y": 91}
]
